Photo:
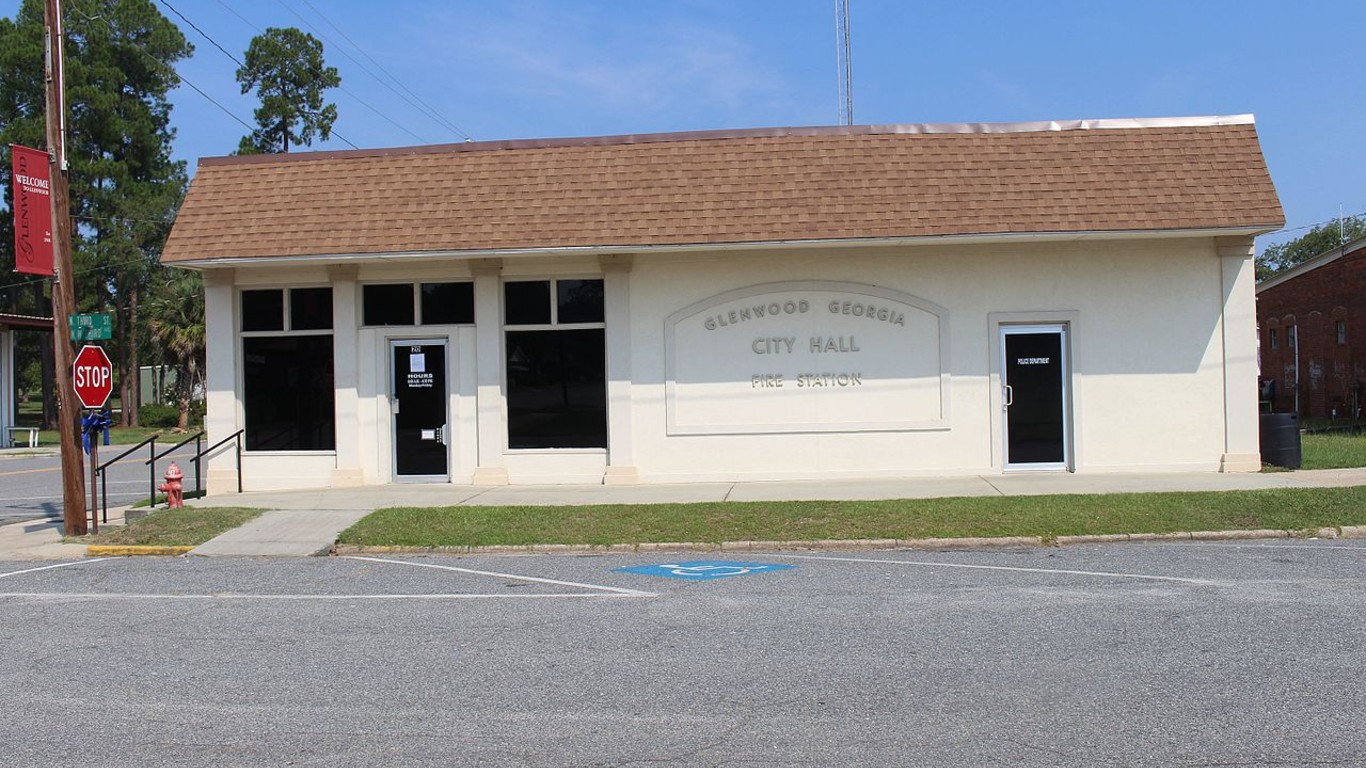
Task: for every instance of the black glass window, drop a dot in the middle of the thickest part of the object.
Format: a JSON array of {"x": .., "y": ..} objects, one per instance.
[
  {"x": 527, "y": 303},
  {"x": 288, "y": 393},
  {"x": 387, "y": 304},
  {"x": 447, "y": 303},
  {"x": 580, "y": 301},
  {"x": 557, "y": 390},
  {"x": 263, "y": 310},
  {"x": 310, "y": 309}
]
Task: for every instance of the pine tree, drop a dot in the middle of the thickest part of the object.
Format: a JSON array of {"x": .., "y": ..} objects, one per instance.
[{"x": 285, "y": 67}]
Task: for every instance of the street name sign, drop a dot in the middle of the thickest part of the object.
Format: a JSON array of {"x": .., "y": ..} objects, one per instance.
[{"x": 91, "y": 327}]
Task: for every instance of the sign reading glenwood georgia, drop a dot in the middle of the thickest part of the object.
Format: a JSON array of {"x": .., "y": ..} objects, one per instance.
[
  {"x": 811, "y": 356},
  {"x": 32, "y": 211},
  {"x": 93, "y": 376}
]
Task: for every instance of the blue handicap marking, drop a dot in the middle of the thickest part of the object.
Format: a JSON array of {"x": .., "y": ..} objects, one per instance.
[{"x": 704, "y": 570}]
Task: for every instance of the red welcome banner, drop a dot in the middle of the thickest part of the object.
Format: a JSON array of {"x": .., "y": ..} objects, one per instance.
[{"x": 32, "y": 211}]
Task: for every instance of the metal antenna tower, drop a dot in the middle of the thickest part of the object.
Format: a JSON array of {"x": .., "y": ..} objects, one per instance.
[{"x": 846, "y": 77}]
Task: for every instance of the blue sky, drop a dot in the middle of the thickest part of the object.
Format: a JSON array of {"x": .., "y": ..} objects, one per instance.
[{"x": 542, "y": 68}]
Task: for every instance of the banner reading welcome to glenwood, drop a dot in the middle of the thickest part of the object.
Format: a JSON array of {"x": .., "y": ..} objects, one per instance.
[{"x": 32, "y": 211}]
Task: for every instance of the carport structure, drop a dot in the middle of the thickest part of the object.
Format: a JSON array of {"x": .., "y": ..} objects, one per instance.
[{"x": 9, "y": 408}]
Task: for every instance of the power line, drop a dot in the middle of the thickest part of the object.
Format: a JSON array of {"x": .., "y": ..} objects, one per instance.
[
  {"x": 202, "y": 33},
  {"x": 125, "y": 219},
  {"x": 74, "y": 272},
  {"x": 206, "y": 36},
  {"x": 341, "y": 88},
  {"x": 182, "y": 79},
  {"x": 430, "y": 111},
  {"x": 1316, "y": 224},
  {"x": 234, "y": 12},
  {"x": 367, "y": 70}
]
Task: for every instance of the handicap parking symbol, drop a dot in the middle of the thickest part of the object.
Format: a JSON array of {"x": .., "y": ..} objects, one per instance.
[{"x": 704, "y": 570}]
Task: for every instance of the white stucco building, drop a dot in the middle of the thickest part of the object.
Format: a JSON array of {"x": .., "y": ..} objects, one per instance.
[{"x": 762, "y": 304}]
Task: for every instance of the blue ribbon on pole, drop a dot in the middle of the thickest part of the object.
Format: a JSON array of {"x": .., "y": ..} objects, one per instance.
[{"x": 92, "y": 423}]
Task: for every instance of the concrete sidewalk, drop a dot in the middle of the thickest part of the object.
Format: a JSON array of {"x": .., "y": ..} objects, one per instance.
[
  {"x": 308, "y": 522},
  {"x": 283, "y": 532}
]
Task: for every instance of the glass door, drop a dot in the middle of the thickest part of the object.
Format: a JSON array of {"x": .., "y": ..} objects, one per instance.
[
  {"x": 419, "y": 404},
  {"x": 1034, "y": 378}
]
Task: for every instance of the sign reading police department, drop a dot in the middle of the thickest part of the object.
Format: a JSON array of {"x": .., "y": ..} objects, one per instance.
[{"x": 807, "y": 357}]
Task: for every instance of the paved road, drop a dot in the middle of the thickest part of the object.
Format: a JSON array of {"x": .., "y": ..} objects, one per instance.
[
  {"x": 31, "y": 487},
  {"x": 1243, "y": 654}
]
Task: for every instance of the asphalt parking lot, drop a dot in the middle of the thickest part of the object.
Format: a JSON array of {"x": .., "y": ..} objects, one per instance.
[{"x": 1244, "y": 653}]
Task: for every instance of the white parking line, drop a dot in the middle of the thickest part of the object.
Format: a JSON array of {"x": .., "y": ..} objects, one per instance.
[
  {"x": 615, "y": 590},
  {"x": 1104, "y": 574},
  {"x": 59, "y": 596},
  {"x": 600, "y": 591},
  {"x": 50, "y": 567}
]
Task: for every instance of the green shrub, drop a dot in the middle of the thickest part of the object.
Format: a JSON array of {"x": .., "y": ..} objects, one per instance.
[{"x": 154, "y": 415}]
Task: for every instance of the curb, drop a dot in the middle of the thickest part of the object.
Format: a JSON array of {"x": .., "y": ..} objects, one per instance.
[
  {"x": 1345, "y": 532},
  {"x": 128, "y": 550}
]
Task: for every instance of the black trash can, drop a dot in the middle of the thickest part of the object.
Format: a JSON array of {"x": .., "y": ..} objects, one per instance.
[{"x": 1281, "y": 439}]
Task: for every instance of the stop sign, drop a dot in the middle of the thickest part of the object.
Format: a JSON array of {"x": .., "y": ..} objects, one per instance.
[{"x": 93, "y": 376}]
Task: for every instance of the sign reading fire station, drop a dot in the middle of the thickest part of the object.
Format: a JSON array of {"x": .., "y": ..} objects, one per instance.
[
  {"x": 806, "y": 356},
  {"x": 93, "y": 376}
]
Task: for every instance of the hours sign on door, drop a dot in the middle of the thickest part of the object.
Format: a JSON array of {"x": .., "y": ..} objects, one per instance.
[{"x": 93, "y": 376}]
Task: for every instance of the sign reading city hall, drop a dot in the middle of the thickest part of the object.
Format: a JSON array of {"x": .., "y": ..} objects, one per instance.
[{"x": 807, "y": 357}]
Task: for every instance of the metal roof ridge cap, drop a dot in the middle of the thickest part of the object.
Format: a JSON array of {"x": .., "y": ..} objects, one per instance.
[{"x": 883, "y": 129}]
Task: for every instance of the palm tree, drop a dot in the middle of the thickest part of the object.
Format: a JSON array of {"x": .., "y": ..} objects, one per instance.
[{"x": 176, "y": 322}]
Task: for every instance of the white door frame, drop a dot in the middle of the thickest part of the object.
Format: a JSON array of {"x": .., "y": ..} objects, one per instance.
[
  {"x": 448, "y": 438},
  {"x": 1064, "y": 323}
]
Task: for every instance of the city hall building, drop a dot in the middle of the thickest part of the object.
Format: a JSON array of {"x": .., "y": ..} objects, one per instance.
[{"x": 876, "y": 301}]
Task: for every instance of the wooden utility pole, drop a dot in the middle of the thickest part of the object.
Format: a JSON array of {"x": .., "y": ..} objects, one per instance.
[{"x": 63, "y": 288}]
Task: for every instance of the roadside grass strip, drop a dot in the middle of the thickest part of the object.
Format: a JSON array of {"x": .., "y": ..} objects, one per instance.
[
  {"x": 1333, "y": 451},
  {"x": 183, "y": 528},
  {"x": 1294, "y": 510}
]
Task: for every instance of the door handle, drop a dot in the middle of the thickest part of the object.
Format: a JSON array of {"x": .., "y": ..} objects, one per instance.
[{"x": 1007, "y": 396}]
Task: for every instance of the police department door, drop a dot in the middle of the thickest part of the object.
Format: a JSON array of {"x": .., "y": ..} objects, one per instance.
[
  {"x": 1034, "y": 396},
  {"x": 419, "y": 405}
]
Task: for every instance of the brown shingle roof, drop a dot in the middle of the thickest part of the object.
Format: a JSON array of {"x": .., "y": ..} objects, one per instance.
[{"x": 736, "y": 187}]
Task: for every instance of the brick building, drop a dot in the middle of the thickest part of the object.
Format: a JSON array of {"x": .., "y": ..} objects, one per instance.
[{"x": 1312, "y": 326}]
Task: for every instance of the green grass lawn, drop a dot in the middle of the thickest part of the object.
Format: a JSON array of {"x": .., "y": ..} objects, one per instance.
[
  {"x": 1336, "y": 450},
  {"x": 1063, "y": 515},
  {"x": 184, "y": 527},
  {"x": 118, "y": 436}
]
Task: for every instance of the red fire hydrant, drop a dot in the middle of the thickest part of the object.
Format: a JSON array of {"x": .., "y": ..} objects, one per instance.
[{"x": 175, "y": 491}]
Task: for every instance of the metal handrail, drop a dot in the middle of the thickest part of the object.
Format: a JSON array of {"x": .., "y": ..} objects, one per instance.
[
  {"x": 197, "y": 438},
  {"x": 104, "y": 486},
  {"x": 234, "y": 436},
  {"x": 193, "y": 437}
]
